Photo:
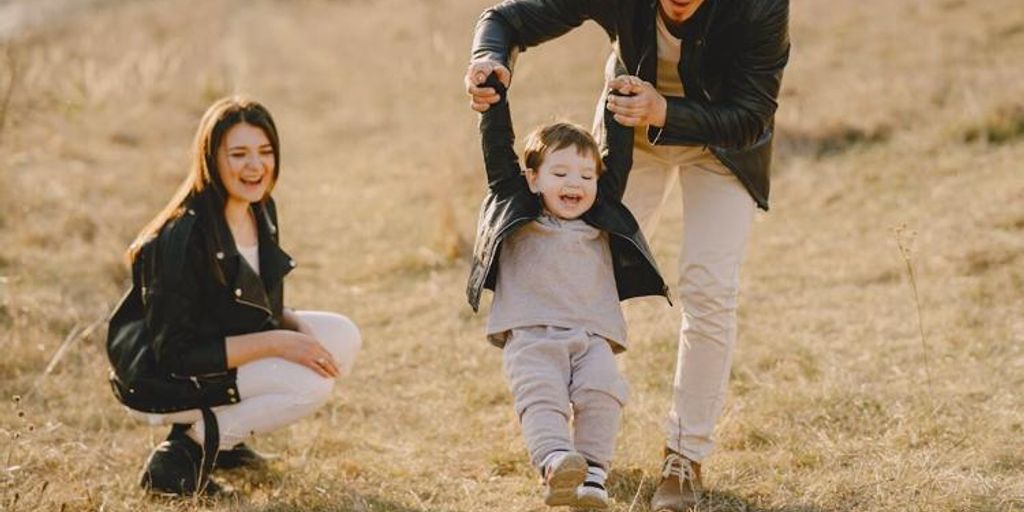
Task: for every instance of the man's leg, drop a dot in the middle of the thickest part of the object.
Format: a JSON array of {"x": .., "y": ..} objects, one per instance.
[
  {"x": 650, "y": 184},
  {"x": 717, "y": 215}
]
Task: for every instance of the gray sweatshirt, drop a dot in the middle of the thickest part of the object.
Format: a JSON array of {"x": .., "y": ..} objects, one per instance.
[{"x": 554, "y": 272}]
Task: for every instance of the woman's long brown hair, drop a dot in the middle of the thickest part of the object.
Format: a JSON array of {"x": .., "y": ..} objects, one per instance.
[{"x": 203, "y": 178}]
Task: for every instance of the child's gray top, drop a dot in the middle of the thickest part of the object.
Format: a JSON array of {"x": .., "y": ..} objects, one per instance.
[{"x": 559, "y": 273}]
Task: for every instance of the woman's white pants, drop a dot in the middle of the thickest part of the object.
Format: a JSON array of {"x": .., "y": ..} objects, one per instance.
[{"x": 275, "y": 392}]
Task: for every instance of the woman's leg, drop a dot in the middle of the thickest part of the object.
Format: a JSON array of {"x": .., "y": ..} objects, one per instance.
[
  {"x": 338, "y": 335},
  {"x": 275, "y": 392}
]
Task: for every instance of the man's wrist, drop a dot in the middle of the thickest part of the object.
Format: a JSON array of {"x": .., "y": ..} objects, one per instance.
[{"x": 660, "y": 112}]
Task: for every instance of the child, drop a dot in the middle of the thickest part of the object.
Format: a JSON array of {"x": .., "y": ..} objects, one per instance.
[{"x": 560, "y": 251}]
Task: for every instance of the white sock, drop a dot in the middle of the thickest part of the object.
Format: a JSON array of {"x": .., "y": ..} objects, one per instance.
[{"x": 596, "y": 475}]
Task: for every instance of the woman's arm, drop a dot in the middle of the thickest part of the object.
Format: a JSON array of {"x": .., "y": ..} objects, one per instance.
[
  {"x": 173, "y": 311},
  {"x": 291, "y": 345}
]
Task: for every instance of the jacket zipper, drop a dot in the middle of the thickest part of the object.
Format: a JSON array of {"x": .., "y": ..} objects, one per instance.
[{"x": 253, "y": 304}]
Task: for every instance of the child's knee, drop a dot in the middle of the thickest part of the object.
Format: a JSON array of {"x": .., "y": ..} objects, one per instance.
[
  {"x": 537, "y": 396},
  {"x": 612, "y": 396}
]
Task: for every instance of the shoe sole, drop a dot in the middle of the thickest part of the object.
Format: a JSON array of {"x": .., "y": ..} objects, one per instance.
[
  {"x": 565, "y": 479},
  {"x": 685, "y": 507},
  {"x": 590, "y": 503}
]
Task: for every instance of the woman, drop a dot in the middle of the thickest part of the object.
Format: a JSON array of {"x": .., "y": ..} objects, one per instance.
[{"x": 202, "y": 340}]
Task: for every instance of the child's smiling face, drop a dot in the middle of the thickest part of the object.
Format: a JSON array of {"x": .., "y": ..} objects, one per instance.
[{"x": 566, "y": 181}]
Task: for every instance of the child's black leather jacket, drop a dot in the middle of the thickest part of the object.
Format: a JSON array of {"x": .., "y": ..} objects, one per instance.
[{"x": 509, "y": 204}]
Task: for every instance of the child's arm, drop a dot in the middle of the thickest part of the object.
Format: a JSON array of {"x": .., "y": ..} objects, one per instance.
[
  {"x": 498, "y": 138},
  {"x": 616, "y": 164}
]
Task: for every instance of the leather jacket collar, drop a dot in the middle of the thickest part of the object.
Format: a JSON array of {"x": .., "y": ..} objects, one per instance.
[{"x": 248, "y": 287}]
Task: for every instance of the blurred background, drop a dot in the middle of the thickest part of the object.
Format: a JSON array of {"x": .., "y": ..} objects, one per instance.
[{"x": 881, "y": 356}]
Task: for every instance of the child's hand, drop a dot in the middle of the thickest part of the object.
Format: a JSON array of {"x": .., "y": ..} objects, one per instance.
[
  {"x": 481, "y": 98},
  {"x": 637, "y": 103}
]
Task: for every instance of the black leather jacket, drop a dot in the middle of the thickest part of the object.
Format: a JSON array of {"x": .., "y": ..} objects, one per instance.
[
  {"x": 510, "y": 204},
  {"x": 190, "y": 290},
  {"x": 734, "y": 52}
]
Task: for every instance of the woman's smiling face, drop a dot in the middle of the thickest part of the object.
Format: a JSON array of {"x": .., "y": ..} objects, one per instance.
[{"x": 245, "y": 163}]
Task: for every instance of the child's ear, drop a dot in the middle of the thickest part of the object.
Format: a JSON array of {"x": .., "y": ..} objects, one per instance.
[{"x": 531, "y": 179}]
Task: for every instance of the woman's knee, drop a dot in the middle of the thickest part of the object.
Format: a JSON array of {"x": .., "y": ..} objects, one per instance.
[
  {"x": 337, "y": 333},
  {"x": 312, "y": 388}
]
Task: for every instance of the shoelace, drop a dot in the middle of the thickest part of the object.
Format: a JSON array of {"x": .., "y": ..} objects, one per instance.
[{"x": 678, "y": 466}]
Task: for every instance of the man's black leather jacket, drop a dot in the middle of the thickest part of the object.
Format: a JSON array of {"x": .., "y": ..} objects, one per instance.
[{"x": 734, "y": 52}]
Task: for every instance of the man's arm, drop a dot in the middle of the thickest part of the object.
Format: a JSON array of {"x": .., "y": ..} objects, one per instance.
[
  {"x": 513, "y": 26},
  {"x": 750, "y": 91}
]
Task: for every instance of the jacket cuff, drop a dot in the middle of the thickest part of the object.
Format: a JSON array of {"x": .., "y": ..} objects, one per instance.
[
  {"x": 208, "y": 356},
  {"x": 654, "y": 133},
  {"x": 681, "y": 126}
]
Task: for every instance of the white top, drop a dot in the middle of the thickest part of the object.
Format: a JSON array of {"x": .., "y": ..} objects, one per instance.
[
  {"x": 670, "y": 48},
  {"x": 554, "y": 272},
  {"x": 251, "y": 254}
]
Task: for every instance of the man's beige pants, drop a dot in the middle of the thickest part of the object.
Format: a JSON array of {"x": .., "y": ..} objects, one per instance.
[{"x": 717, "y": 214}]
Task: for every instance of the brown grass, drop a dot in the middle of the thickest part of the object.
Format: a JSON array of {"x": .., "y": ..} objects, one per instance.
[{"x": 830, "y": 407}]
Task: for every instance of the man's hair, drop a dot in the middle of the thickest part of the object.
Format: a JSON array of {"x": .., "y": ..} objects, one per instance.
[{"x": 555, "y": 136}]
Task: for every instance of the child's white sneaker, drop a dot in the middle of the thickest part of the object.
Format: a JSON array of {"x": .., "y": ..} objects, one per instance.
[
  {"x": 563, "y": 474},
  {"x": 594, "y": 498},
  {"x": 592, "y": 494}
]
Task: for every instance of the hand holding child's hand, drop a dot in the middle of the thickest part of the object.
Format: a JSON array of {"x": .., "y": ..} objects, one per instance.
[
  {"x": 481, "y": 98},
  {"x": 640, "y": 104}
]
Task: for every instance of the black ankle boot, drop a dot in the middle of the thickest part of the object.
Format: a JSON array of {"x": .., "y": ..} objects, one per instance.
[
  {"x": 240, "y": 456},
  {"x": 179, "y": 467},
  {"x": 173, "y": 469}
]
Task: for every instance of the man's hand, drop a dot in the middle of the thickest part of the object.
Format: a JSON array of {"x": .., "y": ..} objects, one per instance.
[
  {"x": 481, "y": 98},
  {"x": 642, "y": 104}
]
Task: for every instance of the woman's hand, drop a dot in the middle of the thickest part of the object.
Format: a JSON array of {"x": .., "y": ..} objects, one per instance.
[
  {"x": 295, "y": 346},
  {"x": 481, "y": 98},
  {"x": 643, "y": 105},
  {"x": 304, "y": 349}
]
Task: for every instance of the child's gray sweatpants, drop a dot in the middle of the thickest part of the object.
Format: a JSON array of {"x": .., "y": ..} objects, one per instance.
[{"x": 556, "y": 372}]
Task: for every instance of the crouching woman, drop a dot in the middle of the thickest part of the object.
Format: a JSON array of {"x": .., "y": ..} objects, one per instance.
[{"x": 201, "y": 341}]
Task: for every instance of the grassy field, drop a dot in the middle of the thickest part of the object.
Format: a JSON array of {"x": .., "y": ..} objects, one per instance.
[{"x": 881, "y": 356}]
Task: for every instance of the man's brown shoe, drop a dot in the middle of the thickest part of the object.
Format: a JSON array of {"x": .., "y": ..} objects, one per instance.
[{"x": 680, "y": 489}]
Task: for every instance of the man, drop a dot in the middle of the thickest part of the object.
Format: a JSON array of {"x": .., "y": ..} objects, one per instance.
[{"x": 702, "y": 78}]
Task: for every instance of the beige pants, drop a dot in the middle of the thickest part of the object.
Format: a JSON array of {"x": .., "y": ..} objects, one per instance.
[
  {"x": 717, "y": 215},
  {"x": 555, "y": 372},
  {"x": 275, "y": 392}
]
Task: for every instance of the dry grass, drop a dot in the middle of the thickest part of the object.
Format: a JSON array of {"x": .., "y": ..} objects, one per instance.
[{"x": 893, "y": 114}]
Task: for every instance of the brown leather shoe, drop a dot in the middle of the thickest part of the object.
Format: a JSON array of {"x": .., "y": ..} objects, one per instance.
[{"x": 680, "y": 489}]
